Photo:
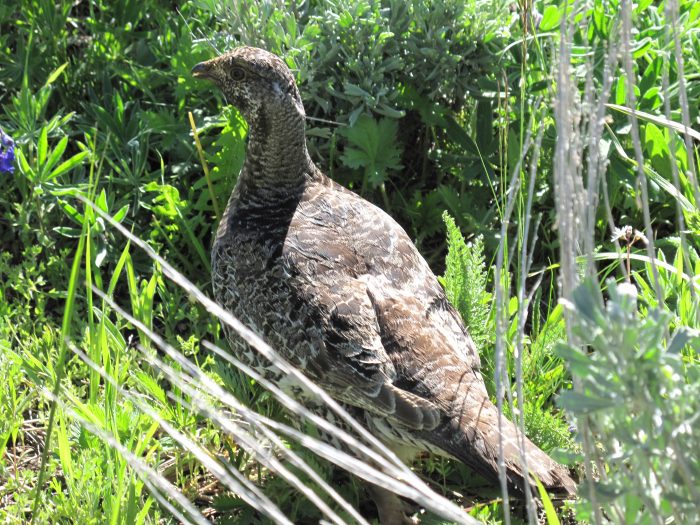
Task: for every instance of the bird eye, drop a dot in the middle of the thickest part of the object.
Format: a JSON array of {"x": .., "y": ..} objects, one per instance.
[{"x": 237, "y": 74}]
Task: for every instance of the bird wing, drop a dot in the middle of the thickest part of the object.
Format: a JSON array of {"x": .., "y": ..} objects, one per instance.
[
  {"x": 352, "y": 365},
  {"x": 387, "y": 328}
]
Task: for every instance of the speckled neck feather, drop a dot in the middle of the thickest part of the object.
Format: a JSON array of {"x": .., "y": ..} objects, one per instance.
[{"x": 277, "y": 162}]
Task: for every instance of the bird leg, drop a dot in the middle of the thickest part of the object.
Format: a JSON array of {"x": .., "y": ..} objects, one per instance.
[{"x": 392, "y": 510}]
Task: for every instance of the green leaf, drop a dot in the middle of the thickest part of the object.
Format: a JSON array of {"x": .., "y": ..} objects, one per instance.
[
  {"x": 390, "y": 112},
  {"x": 655, "y": 143},
  {"x": 115, "y": 337},
  {"x": 549, "y": 512},
  {"x": 682, "y": 337},
  {"x": 621, "y": 90},
  {"x": 550, "y": 18},
  {"x": 64, "y": 449},
  {"x": 587, "y": 304},
  {"x": 101, "y": 201},
  {"x": 119, "y": 216},
  {"x": 456, "y": 133},
  {"x": 71, "y": 211},
  {"x": 484, "y": 127},
  {"x": 355, "y": 91},
  {"x": 55, "y": 154},
  {"x": 642, "y": 5},
  {"x": 68, "y": 165},
  {"x": 670, "y": 188},
  {"x": 345, "y": 20},
  {"x": 68, "y": 231},
  {"x": 678, "y": 265},
  {"x": 465, "y": 282},
  {"x": 42, "y": 148},
  {"x": 372, "y": 145},
  {"x": 24, "y": 166},
  {"x": 150, "y": 385},
  {"x": 168, "y": 202},
  {"x": 53, "y": 76},
  {"x": 572, "y": 354},
  {"x": 577, "y": 402},
  {"x": 229, "y": 152}
]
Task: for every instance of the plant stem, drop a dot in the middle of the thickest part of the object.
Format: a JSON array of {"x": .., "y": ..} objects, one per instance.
[{"x": 205, "y": 167}]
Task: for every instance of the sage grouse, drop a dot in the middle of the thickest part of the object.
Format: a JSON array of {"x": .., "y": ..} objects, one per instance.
[{"x": 337, "y": 286}]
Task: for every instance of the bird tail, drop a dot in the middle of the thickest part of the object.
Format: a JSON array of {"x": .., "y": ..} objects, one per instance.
[{"x": 475, "y": 442}]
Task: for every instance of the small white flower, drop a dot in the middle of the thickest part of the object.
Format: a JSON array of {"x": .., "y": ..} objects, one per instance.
[
  {"x": 622, "y": 234},
  {"x": 628, "y": 235},
  {"x": 639, "y": 236}
]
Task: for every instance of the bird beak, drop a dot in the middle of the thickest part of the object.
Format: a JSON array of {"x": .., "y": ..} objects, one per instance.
[{"x": 201, "y": 70}]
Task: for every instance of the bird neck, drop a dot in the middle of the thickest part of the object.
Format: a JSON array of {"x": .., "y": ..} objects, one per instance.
[{"x": 277, "y": 163}]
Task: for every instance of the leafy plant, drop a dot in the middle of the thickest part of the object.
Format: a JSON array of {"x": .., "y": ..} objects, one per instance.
[
  {"x": 638, "y": 399},
  {"x": 465, "y": 282},
  {"x": 372, "y": 146}
]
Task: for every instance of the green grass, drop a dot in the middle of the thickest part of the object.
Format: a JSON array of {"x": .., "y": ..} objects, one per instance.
[{"x": 96, "y": 96}]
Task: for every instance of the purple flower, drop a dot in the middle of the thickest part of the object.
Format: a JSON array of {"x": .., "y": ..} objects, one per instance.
[{"x": 7, "y": 153}]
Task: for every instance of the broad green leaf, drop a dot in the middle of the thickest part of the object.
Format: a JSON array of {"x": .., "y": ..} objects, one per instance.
[
  {"x": 572, "y": 354},
  {"x": 587, "y": 303},
  {"x": 642, "y": 47},
  {"x": 372, "y": 145},
  {"x": 550, "y": 18},
  {"x": 390, "y": 112},
  {"x": 621, "y": 90},
  {"x": 71, "y": 211},
  {"x": 651, "y": 94},
  {"x": 642, "y": 5},
  {"x": 651, "y": 74},
  {"x": 345, "y": 20},
  {"x": 167, "y": 201},
  {"x": 655, "y": 143}
]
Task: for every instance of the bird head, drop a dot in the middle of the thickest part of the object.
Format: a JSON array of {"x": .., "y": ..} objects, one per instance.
[{"x": 253, "y": 80}]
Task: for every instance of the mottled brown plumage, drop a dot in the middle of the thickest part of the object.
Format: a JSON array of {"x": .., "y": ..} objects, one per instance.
[{"x": 337, "y": 286}]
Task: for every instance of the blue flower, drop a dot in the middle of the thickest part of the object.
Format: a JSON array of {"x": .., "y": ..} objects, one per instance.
[{"x": 7, "y": 153}]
